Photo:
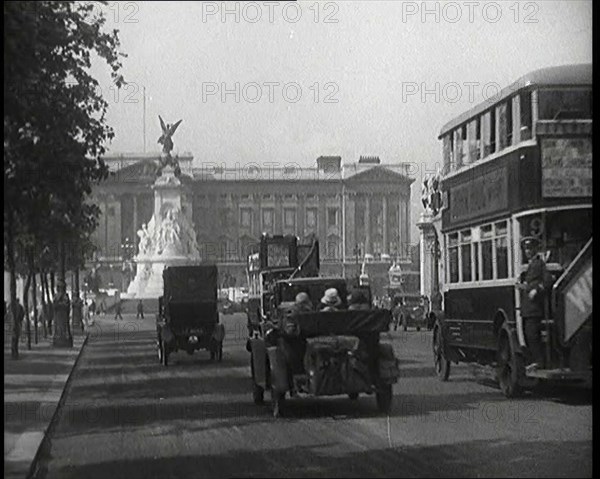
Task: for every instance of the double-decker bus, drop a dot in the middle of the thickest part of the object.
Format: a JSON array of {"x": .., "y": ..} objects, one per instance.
[{"x": 515, "y": 167}]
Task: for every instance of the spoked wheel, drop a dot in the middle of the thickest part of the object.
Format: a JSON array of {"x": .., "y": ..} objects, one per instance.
[
  {"x": 511, "y": 370},
  {"x": 442, "y": 365},
  {"x": 383, "y": 395},
  {"x": 278, "y": 399}
]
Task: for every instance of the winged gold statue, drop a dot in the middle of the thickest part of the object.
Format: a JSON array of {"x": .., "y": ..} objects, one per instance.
[{"x": 167, "y": 135}]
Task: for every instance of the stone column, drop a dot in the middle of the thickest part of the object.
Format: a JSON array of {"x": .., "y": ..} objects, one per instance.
[
  {"x": 350, "y": 226},
  {"x": 401, "y": 239},
  {"x": 322, "y": 222},
  {"x": 135, "y": 222},
  {"x": 385, "y": 247},
  {"x": 367, "y": 224},
  {"x": 301, "y": 214}
]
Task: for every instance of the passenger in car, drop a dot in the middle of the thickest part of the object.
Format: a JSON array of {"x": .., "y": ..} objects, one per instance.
[
  {"x": 331, "y": 300},
  {"x": 358, "y": 301}
]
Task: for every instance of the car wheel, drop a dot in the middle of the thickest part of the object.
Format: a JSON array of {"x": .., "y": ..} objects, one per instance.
[
  {"x": 442, "y": 365},
  {"x": 510, "y": 370},
  {"x": 383, "y": 396}
]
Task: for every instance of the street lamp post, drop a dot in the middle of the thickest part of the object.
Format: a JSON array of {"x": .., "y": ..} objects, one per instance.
[{"x": 126, "y": 256}]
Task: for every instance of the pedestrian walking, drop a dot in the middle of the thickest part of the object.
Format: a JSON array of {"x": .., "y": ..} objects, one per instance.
[
  {"x": 140, "y": 310},
  {"x": 102, "y": 307},
  {"x": 533, "y": 284},
  {"x": 118, "y": 309},
  {"x": 92, "y": 308}
]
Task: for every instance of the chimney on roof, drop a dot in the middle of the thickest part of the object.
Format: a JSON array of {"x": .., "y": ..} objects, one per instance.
[
  {"x": 372, "y": 160},
  {"x": 329, "y": 163}
]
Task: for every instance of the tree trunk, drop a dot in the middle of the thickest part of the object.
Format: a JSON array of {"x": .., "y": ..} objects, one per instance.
[
  {"x": 77, "y": 303},
  {"x": 52, "y": 283},
  {"x": 10, "y": 251},
  {"x": 35, "y": 310},
  {"x": 26, "y": 306},
  {"x": 62, "y": 337},
  {"x": 49, "y": 310}
]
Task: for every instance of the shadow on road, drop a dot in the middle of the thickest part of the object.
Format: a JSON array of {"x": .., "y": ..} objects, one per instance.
[{"x": 485, "y": 458}]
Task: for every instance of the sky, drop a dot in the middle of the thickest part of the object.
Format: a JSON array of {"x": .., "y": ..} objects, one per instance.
[{"x": 345, "y": 78}]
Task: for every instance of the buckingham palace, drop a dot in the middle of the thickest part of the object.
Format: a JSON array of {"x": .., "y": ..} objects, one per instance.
[{"x": 359, "y": 211}]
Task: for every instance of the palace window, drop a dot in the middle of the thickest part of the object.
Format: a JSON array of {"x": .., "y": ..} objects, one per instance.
[
  {"x": 289, "y": 217},
  {"x": 246, "y": 217},
  {"x": 267, "y": 218},
  {"x": 311, "y": 218},
  {"x": 332, "y": 217}
]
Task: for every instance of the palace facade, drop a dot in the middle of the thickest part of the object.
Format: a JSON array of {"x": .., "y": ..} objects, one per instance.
[{"x": 359, "y": 211}]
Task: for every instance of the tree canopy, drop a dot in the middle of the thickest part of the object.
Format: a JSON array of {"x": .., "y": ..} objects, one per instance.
[
  {"x": 54, "y": 119},
  {"x": 55, "y": 131}
]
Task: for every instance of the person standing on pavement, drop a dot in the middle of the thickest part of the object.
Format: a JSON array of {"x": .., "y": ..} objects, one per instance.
[
  {"x": 533, "y": 284},
  {"x": 17, "y": 327},
  {"x": 118, "y": 309},
  {"x": 140, "y": 310}
]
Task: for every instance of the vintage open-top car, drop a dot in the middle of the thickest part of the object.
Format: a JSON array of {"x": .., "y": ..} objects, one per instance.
[
  {"x": 330, "y": 352},
  {"x": 188, "y": 318}
]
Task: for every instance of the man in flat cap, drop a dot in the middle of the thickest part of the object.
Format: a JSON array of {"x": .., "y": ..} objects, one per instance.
[{"x": 534, "y": 284}]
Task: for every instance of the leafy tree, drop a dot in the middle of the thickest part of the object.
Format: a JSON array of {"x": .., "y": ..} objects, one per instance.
[{"x": 54, "y": 125}]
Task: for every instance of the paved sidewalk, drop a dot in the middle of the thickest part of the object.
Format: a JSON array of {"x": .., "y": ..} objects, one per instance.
[{"x": 33, "y": 387}]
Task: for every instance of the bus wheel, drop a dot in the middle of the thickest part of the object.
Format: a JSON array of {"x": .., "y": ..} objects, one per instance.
[
  {"x": 442, "y": 365},
  {"x": 510, "y": 368}
]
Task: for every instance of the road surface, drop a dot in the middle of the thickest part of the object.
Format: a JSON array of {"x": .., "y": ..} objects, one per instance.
[{"x": 126, "y": 416}]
